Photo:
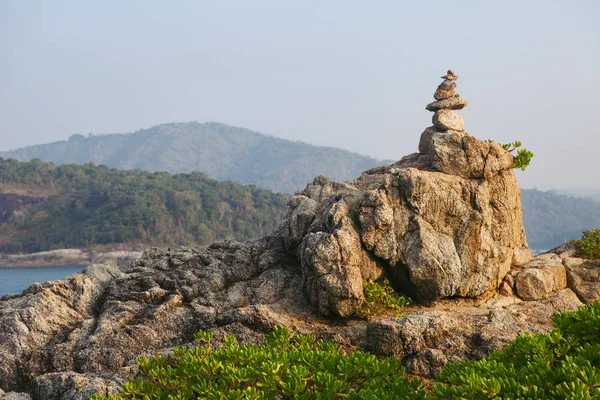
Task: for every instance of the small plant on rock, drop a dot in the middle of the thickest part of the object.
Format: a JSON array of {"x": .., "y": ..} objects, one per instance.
[
  {"x": 523, "y": 157},
  {"x": 589, "y": 244},
  {"x": 381, "y": 299}
]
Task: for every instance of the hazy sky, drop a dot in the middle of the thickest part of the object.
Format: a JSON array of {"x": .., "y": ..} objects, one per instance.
[{"x": 349, "y": 74}]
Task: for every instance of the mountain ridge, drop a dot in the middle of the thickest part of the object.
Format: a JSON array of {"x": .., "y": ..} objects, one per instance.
[{"x": 221, "y": 151}]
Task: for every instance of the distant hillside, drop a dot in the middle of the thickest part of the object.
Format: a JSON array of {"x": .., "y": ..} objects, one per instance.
[
  {"x": 220, "y": 151},
  {"x": 45, "y": 207},
  {"x": 580, "y": 192},
  {"x": 550, "y": 219}
]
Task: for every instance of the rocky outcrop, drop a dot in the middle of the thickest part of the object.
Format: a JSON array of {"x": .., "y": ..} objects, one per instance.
[
  {"x": 554, "y": 271},
  {"x": 451, "y": 331},
  {"x": 444, "y": 225},
  {"x": 67, "y": 339},
  {"x": 442, "y": 222},
  {"x": 540, "y": 277},
  {"x": 102, "y": 319}
]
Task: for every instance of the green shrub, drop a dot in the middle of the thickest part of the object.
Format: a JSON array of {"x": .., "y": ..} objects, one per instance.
[
  {"x": 523, "y": 157},
  {"x": 287, "y": 367},
  {"x": 564, "y": 364},
  {"x": 589, "y": 244},
  {"x": 381, "y": 299}
]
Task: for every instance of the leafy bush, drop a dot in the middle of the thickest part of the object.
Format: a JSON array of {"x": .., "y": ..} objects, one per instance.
[
  {"x": 589, "y": 244},
  {"x": 564, "y": 364},
  {"x": 381, "y": 299},
  {"x": 287, "y": 367},
  {"x": 523, "y": 157}
]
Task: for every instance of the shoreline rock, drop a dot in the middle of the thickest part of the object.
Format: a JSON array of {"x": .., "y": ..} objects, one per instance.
[{"x": 67, "y": 257}]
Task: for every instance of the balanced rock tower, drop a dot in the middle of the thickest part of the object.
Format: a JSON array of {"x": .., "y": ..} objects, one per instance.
[{"x": 447, "y": 100}]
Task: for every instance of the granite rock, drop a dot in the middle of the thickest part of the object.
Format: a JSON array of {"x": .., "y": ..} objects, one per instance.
[
  {"x": 441, "y": 94},
  {"x": 448, "y": 120},
  {"x": 447, "y": 85},
  {"x": 583, "y": 278},
  {"x": 453, "y": 103}
]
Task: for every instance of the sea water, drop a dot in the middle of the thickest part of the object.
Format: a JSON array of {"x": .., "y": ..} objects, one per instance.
[{"x": 14, "y": 279}]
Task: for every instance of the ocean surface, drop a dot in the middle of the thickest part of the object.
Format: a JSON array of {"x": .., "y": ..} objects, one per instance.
[{"x": 14, "y": 279}]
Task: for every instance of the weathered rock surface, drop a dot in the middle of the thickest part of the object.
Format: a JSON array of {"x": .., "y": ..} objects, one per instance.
[
  {"x": 447, "y": 85},
  {"x": 451, "y": 331},
  {"x": 441, "y": 94},
  {"x": 553, "y": 271},
  {"x": 450, "y": 75},
  {"x": 584, "y": 277},
  {"x": 540, "y": 277},
  {"x": 68, "y": 339},
  {"x": 428, "y": 220},
  {"x": 452, "y": 103},
  {"x": 448, "y": 120},
  {"x": 14, "y": 396},
  {"x": 102, "y": 319}
]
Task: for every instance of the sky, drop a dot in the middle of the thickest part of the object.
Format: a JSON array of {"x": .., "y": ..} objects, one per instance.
[{"x": 350, "y": 74}]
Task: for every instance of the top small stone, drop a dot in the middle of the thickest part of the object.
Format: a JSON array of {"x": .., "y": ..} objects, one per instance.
[{"x": 450, "y": 76}]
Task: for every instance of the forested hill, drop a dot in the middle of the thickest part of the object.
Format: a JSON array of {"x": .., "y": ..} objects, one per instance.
[
  {"x": 44, "y": 207},
  {"x": 551, "y": 219},
  {"x": 220, "y": 151}
]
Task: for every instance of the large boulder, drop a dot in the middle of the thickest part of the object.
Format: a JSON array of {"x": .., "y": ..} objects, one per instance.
[
  {"x": 442, "y": 222},
  {"x": 557, "y": 271},
  {"x": 543, "y": 275},
  {"x": 584, "y": 277}
]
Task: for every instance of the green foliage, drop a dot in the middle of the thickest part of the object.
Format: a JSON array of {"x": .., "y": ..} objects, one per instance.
[
  {"x": 381, "y": 299},
  {"x": 564, "y": 364},
  {"x": 589, "y": 244},
  {"x": 523, "y": 157},
  {"x": 288, "y": 367},
  {"x": 86, "y": 205}
]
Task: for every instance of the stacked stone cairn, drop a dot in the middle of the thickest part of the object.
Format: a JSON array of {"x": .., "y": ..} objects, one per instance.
[{"x": 445, "y": 119}]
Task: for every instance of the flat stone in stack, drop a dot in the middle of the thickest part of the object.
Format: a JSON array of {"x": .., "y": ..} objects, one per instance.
[{"x": 452, "y": 103}]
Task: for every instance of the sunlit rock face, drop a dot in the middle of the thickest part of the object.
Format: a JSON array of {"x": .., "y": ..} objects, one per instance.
[{"x": 443, "y": 222}]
